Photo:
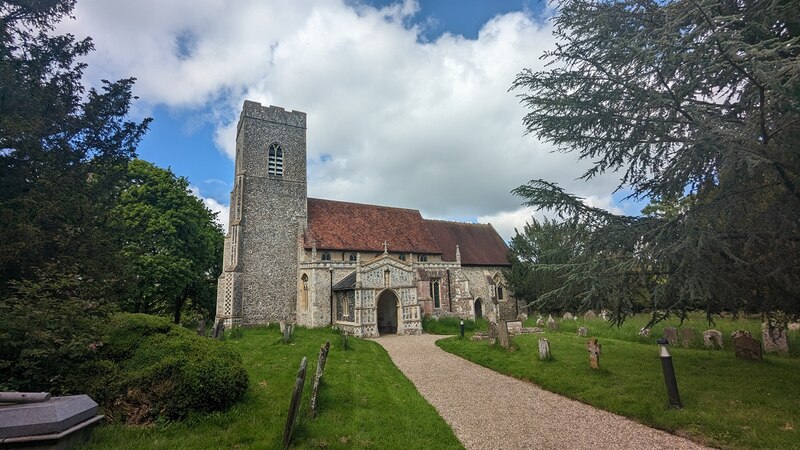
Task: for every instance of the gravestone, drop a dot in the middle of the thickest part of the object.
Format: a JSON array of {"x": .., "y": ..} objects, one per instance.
[
  {"x": 712, "y": 339},
  {"x": 492, "y": 333},
  {"x": 201, "y": 328},
  {"x": 595, "y": 349},
  {"x": 687, "y": 336},
  {"x": 219, "y": 329},
  {"x": 604, "y": 314},
  {"x": 746, "y": 347},
  {"x": 539, "y": 322},
  {"x": 567, "y": 316},
  {"x": 774, "y": 338},
  {"x": 502, "y": 334},
  {"x": 294, "y": 405},
  {"x": 737, "y": 333},
  {"x": 522, "y": 317},
  {"x": 671, "y": 335},
  {"x": 590, "y": 315},
  {"x": 35, "y": 420},
  {"x": 552, "y": 325},
  {"x": 323, "y": 357},
  {"x": 544, "y": 349},
  {"x": 583, "y": 331},
  {"x": 287, "y": 328},
  {"x": 794, "y": 326},
  {"x": 644, "y": 332},
  {"x": 514, "y": 327}
]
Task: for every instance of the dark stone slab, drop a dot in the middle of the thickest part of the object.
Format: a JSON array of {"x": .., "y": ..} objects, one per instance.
[
  {"x": 51, "y": 417},
  {"x": 747, "y": 348}
]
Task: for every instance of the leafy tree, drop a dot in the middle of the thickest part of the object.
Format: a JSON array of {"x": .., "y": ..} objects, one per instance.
[
  {"x": 170, "y": 242},
  {"x": 539, "y": 255},
  {"x": 695, "y": 103},
  {"x": 63, "y": 152}
]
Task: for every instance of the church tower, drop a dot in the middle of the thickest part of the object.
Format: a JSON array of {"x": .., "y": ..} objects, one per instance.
[{"x": 267, "y": 216}]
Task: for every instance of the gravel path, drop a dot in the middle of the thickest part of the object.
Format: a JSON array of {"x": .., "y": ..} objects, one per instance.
[{"x": 513, "y": 414}]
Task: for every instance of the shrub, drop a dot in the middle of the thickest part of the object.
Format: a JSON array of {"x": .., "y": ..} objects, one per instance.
[{"x": 153, "y": 370}]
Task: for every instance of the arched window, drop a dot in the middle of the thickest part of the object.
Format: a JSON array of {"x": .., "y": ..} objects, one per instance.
[
  {"x": 437, "y": 302},
  {"x": 353, "y": 257},
  {"x": 275, "y": 163},
  {"x": 304, "y": 293}
]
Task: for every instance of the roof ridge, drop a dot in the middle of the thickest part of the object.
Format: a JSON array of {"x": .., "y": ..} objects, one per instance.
[
  {"x": 458, "y": 221},
  {"x": 365, "y": 204}
]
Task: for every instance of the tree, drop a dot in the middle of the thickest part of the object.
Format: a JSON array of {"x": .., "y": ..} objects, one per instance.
[
  {"x": 63, "y": 152},
  {"x": 695, "y": 103},
  {"x": 170, "y": 242},
  {"x": 539, "y": 255}
]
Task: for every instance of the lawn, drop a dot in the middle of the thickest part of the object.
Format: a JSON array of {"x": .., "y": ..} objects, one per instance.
[
  {"x": 728, "y": 402},
  {"x": 365, "y": 402}
]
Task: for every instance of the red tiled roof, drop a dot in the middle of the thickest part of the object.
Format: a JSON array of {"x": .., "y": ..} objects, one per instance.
[
  {"x": 352, "y": 226},
  {"x": 479, "y": 244}
]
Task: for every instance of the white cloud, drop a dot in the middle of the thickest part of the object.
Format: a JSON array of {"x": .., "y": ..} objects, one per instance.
[
  {"x": 427, "y": 125},
  {"x": 223, "y": 211}
]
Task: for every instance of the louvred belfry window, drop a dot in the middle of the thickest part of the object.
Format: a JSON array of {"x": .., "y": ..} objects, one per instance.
[{"x": 275, "y": 163}]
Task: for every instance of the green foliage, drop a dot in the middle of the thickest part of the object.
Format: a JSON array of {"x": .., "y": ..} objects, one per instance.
[
  {"x": 728, "y": 402},
  {"x": 539, "y": 257},
  {"x": 169, "y": 241},
  {"x": 696, "y": 104},
  {"x": 153, "y": 370},
  {"x": 354, "y": 408}
]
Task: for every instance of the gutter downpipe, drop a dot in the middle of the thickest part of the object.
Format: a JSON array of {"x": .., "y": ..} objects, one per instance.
[{"x": 449, "y": 292}]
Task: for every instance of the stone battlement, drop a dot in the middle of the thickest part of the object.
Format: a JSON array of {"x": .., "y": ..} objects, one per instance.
[{"x": 275, "y": 114}]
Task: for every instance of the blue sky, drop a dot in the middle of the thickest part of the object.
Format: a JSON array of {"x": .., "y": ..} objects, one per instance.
[{"x": 407, "y": 102}]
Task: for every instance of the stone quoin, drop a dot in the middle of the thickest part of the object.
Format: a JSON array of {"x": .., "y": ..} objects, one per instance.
[{"x": 367, "y": 269}]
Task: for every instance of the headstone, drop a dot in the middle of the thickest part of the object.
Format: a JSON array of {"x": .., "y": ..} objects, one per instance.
[
  {"x": 595, "y": 349},
  {"x": 567, "y": 316},
  {"x": 201, "y": 328},
  {"x": 219, "y": 329},
  {"x": 514, "y": 327},
  {"x": 492, "y": 333},
  {"x": 746, "y": 347},
  {"x": 522, "y": 317},
  {"x": 644, "y": 332},
  {"x": 712, "y": 339},
  {"x": 794, "y": 326},
  {"x": 544, "y": 349},
  {"x": 502, "y": 334},
  {"x": 774, "y": 338},
  {"x": 287, "y": 328},
  {"x": 590, "y": 315},
  {"x": 552, "y": 325},
  {"x": 539, "y": 322},
  {"x": 604, "y": 314},
  {"x": 671, "y": 335},
  {"x": 294, "y": 405},
  {"x": 583, "y": 331},
  {"x": 323, "y": 357},
  {"x": 737, "y": 333},
  {"x": 687, "y": 336}
]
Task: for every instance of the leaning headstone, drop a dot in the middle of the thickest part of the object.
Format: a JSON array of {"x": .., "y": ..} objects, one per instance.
[
  {"x": 502, "y": 334},
  {"x": 712, "y": 339},
  {"x": 687, "y": 336},
  {"x": 539, "y": 322},
  {"x": 552, "y": 325},
  {"x": 671, "y": 335},
  {"x": 644, "y": 332},
  {"x": 774, "y": 338},
  {"x": 323, "y": 357},
  {"x": 201, "y": 328},
  {"x": 219, "y": 329},
  {"x": 567, "y": 316},
  {"x": 294, "y": 406},
  {"x": 590, "y": 315},
  {"x": 583, "y": 331},
  {"x": 544, "y": 349},
  {"x": 595, "y": 349},
  {"x": 746, "y": 347}
]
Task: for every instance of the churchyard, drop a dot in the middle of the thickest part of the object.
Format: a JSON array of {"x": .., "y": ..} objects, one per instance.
[
  {"x": 728, "y": 402},
  {"x": 353, "y": 409}
]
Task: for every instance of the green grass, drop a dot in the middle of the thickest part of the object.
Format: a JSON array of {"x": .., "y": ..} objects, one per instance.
[
  {"x": 452, "y": 325},
  {"x": 364, "y": 402},
  {"x": 728, "y": 402}
]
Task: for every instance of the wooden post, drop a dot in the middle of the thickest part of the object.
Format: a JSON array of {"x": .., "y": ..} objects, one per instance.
[
  {"x": 294, "y": 405},
  {"x": 323, "y": 357}
]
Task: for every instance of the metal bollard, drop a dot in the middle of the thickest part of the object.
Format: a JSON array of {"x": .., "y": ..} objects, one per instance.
[
  {"x": 669, "y": 374},
  {"x": 462, "y": 328}
]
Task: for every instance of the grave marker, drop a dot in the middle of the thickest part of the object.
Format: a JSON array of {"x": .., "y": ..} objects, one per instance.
[
  {"x": 294, "y": 405},
  {"x": 544, "y": 349},
  {"x": 323, "y": 357},
  {"x": 595, "y": 349}
]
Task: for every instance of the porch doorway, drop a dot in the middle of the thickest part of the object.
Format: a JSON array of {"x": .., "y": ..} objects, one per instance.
[{"x": 388, "y": 313}]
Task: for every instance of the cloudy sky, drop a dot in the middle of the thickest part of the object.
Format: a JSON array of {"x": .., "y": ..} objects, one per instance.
[{"x": 407, "y": 101}]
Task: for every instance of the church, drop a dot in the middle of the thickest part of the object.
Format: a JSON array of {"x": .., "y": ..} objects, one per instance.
[{"x": 369, "y": 270}]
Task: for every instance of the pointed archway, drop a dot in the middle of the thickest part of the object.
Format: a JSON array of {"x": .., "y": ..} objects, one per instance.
[
  {"x": 388, "y": 313},
  {"x": 478, "y": 309}
]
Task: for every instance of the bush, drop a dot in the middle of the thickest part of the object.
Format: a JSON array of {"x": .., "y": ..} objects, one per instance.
[{"x": 153, "y": 370}]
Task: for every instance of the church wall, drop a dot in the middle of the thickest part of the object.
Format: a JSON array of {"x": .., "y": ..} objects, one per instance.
[{"x": 479, "y": 287}]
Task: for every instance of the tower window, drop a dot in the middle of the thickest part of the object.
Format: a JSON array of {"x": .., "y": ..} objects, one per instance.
[{"x": 275, "y": 163}]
